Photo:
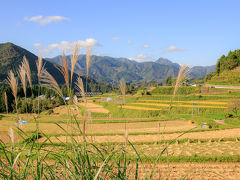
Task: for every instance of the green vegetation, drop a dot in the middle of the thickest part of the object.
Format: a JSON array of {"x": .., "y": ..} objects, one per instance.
[
  {"x": 227, "y": 71},
  {"x": 184, "y": 90}
]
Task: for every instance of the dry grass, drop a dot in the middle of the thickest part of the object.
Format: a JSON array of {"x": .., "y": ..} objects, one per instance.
[
  {"x": 48, "y": 81},
  {"x": 39, "y": 64},
  {"x": 80, "y": 88},
  {"x": 64, "y": 70},
  {"x": 13, "y": 85},
  {"x": 22, "y": 75},
  {"x": 74, "y": 58},
  {"x": 27, "y": 69}
]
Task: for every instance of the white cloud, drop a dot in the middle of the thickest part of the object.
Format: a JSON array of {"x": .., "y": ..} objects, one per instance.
[
  {"x": 115, "y": 38},
  {"x": 140, "y": 58},
  {"x": 45, "y": 20},
  {"x": 129, "y": 41},
  {"x": 146, "y": 46},
  {"x": 174, "y": 49},
  {"x": 88, "y": 42},
  {"x": 67, "y": 46},
  {"x": 36, "y": 44}
]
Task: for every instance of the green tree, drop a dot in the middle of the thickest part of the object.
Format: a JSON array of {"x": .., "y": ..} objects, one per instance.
[{"x": 168, "y": 81}]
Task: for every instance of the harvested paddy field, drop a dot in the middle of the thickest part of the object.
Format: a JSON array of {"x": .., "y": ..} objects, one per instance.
[
  {"x": 198, "y": 171},
  {"x": 227, "y": 133}
]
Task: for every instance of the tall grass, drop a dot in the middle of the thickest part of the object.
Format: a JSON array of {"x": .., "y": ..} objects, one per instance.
[
  {"x": 74, "y": 59},
  {"x": 80, "y": 88},
  {"x": 12, "y": 81},
  {"x": 182, "y": 74},
  {"x": 65, "y": 71},
  {"x": 39, "y": 64},
  {"x": 26, "y": 66},
  {"x": 22, "y": 75},
  {"x": 48, "y": 81},
  {"x": 88, "y": 61},
  {"x": 88, "y": 58}
]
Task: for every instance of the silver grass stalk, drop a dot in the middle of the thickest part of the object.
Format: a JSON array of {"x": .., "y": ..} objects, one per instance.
[
  {"x": 13, "y": 85},
  {"x": 74, "y": 58},
  {"x": 22, "y": 75},
  {"x": 64, "y": 70},
  {"x": 183, "y": 72},
  {"x": 75, "y": 101},
  {"x": 27, "y": 69},
  {"x": 39, "y": 64},
  {"x": 80, "y": 88},
  {"x": 88, "y": 58},
  {"x": 11, "y": 135},
  {"x": 48, "y": 81}
]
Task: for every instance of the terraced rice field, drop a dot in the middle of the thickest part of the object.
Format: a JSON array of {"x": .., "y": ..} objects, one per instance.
[
  {"x": 151, "y": 136},
  {"x": 174, "y": 105},
  {"x": 227, "y": 133},
  {"x": 196, "y": 171},
  {"x": 189, "y": 102}
]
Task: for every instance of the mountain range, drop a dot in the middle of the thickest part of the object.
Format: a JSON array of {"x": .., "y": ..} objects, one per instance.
[
  {"x": 103, "y": 69},
  {"x": 110, "y": 70},
  {"x": 11, "y": 57}
]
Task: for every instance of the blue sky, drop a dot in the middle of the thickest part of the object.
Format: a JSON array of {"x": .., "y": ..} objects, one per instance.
[{"x": 196, "y": 32}]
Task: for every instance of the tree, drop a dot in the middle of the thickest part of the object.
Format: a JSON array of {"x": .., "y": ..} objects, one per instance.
[
  {"x": 168, "y": 81},
  {"x": 234, "y": 106}
]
